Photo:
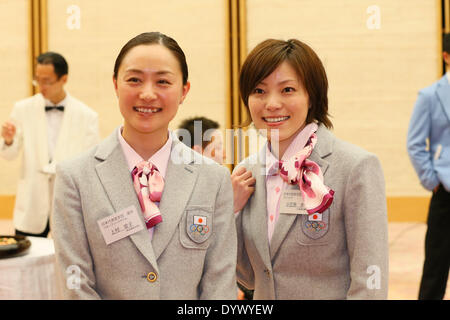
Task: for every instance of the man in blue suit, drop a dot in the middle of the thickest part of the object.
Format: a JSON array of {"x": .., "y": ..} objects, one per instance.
[{"x": 430, "y": 122}]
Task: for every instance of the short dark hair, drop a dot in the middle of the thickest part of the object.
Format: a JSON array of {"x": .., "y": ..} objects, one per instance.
[
  {"x": 446, "y": 42},
  {"x": 269, "y": 54},
  {"x": 57, "y": 60},
  {"x": 188, "y": 124},
  {"x": 148, "y": 38}
]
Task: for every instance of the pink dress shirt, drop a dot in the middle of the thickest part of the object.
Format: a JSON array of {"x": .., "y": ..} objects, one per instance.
[
  {"x": 160, "y": 159},
  {"x": 274, "y": 183}
]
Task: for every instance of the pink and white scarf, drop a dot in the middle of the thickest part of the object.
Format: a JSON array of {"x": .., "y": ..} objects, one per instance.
[
  {"x": 317, "y": 197},
  {"x": 149, "y": 185}
]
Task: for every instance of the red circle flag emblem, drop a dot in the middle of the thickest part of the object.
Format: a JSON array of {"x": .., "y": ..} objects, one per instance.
[{"x": 200, "y": 220}]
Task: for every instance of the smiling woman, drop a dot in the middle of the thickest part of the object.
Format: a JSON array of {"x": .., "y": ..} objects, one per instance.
[
  {"x": 136, "y": 223},
  {"x": 149, "y": 97},
  {"x": 317, "y": 218},
  {"x": 280, "y": 102}
]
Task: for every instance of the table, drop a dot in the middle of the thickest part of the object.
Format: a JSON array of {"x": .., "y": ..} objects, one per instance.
[{"x": 30, "y": 276}]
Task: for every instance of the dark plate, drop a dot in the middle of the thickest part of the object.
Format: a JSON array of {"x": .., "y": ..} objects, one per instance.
[{"x": 12, "y": 250}]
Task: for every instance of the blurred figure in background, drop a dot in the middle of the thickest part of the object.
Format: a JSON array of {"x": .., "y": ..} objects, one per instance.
[
  {"x": 50, "y": 126},
  {"x": 210, "y": 144},
  {"x": 210, "y": 141},
  {"x": 431, "y": 121}
]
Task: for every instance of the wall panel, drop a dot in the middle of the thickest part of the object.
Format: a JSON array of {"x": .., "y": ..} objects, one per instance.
[
  {"x": 376, "y": 57},
  {"x": 374, "y": 70},
  {"x": 14, "y": 75},
  {"x": 92, "y": 45}
]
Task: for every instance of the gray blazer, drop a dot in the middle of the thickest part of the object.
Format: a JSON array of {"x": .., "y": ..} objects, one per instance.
[
  {"x": 182, "y": 265},
  {"x": 348, "y": 259}
]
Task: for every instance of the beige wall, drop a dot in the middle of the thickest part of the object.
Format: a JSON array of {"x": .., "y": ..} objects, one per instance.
[
  {"x": 14, "y": 74},
  {"x": 374, "y": 74},
  {"x": 106, "y": 25}
]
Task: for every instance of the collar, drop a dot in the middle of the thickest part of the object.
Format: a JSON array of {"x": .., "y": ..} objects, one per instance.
[
  {"x": 296, "y": 145},
  {"x": 63, "y": 102},
  {"x": 159, "y": 159}
]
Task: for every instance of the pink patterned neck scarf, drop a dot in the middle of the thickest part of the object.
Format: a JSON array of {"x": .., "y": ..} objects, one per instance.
[
  {"x": 149, "y": 185},
  {"x": 317, "y": 197}
]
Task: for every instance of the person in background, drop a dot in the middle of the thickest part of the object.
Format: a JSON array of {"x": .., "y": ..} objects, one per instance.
[
  {"x": 314, "y": 225},
  {"x": 209, "y": 144},
  {"x": 430, "y": 121},
  {"x": 50, "y": 126},
  {"x": 142, "y": 216}
]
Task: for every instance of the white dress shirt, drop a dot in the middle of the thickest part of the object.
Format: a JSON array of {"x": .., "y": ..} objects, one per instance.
[{"x": 54, "y": 121}]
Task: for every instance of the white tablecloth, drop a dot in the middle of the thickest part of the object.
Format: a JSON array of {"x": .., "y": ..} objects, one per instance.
[{"x": 30, "y": 276}]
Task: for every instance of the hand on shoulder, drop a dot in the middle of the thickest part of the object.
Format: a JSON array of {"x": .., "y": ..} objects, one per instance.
[{"x": 243, "y": 187}]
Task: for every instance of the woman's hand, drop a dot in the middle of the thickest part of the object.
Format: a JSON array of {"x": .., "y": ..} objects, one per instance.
[{"x": 243, "y": 187}]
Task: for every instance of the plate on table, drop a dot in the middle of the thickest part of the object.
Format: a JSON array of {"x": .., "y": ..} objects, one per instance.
[{"x": 11, "y": 246}]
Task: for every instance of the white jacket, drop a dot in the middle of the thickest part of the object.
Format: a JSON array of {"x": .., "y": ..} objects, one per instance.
[{"x": 79, "y": 131}]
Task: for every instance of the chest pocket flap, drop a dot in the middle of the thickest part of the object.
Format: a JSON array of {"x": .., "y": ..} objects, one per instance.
[{"x": 198, "y": 226}]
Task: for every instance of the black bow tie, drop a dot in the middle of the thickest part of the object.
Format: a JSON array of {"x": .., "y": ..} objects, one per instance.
[{"x": 60, "y": 108}]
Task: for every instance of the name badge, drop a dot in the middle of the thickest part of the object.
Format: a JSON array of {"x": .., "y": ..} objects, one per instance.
[
  {"x": 292, "y": 202},
  {"x": 120, "y": 224}
]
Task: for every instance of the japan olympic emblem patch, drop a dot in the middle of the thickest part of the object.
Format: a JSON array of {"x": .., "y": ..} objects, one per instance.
[{"x": 200, "y": 225}]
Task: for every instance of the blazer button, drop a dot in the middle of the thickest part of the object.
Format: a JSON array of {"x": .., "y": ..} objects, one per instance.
[
  {"x": 267, "y": 272},
  {"x": 151, "y": 277}
]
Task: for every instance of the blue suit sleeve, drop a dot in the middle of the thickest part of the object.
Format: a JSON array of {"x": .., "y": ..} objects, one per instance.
[{"x": 418, "y": 131}]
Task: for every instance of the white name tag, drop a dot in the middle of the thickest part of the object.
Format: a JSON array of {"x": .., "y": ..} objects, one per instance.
[
  {"x": 120, "y": 225},
  {"x": 292, "y": 202}
]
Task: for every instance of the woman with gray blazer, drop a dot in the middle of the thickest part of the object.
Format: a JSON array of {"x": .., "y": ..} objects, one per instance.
[
  {"x": 131, "y": 220},
  {"x": 310, "y": 209}
]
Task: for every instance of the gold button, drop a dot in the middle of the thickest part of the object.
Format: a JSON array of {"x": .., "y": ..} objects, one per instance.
[{"x": 151, "y": 277}]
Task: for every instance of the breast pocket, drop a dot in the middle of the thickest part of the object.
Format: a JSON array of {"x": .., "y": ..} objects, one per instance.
[
  {"x": 312, "y": 229},
  {"x": 196, "y": 227}
]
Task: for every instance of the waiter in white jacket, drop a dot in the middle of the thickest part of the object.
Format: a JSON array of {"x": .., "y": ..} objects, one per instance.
[{"x": 50, "y": 126}]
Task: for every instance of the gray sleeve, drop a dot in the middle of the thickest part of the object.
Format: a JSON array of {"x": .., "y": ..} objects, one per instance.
[
  {"x": 367, "y": 230},
  {"x": 75, "y": 268}
]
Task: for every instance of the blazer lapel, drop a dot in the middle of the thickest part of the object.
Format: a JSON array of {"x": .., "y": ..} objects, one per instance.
[
  {"x": 179, "y": 183},
  {"x": 285, "y": 221},
  {"x": 116, "y": 179},
  {"x": 258, "y": 206},
  {"x": 443, "y": 92},
  {"x": 282, "y": 227},
  {"x": 38, "y": 113},
  {"x": 323, "y": 148}
]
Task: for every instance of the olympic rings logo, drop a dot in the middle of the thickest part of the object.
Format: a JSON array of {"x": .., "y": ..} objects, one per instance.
[
  {"x": 199, "y": 228},
  {"x": 316, "y": 225}
]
